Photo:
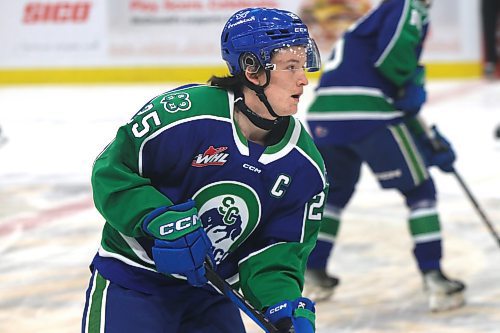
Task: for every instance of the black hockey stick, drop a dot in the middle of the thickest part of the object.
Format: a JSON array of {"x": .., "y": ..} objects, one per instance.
[
  {"x": 238, "y": 299},
  {"x": 438, "y": 147},
  {"x": 481, "y": 213}
]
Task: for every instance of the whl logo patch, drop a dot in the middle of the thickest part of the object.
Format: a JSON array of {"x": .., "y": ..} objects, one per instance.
[{"x": 211, "y": 156}]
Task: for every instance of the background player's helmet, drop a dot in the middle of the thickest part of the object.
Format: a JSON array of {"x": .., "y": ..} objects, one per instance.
[{"x": 251, "y": 35}]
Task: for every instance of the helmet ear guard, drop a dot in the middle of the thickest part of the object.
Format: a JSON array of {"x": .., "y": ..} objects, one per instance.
[{"x": 249, "y": 63}]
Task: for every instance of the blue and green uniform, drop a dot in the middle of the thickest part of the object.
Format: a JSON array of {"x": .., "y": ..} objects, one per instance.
[
  {"x": 261, "y": 207},
  {"x": 353, "y": 119}
]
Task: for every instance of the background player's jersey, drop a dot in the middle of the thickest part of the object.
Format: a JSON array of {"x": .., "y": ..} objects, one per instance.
[
  {"x": 362, "y": 77},
  {"x": 260, "y": 206}
]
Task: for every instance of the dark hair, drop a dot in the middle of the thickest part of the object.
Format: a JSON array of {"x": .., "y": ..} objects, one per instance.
[{"x": 234, "y": 83}]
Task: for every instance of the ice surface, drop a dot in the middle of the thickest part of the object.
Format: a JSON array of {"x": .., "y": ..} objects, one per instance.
[{"x": 49, "y": 229}]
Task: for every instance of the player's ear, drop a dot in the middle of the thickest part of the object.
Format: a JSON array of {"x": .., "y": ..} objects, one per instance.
[{"x": 253, "y": 77}]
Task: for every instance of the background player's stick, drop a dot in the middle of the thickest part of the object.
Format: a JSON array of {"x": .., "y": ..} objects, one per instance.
[
  {"x": 481, "y": 213},
  {"x": 438, "y": 147},
  {"x": 238, "y": 299}
]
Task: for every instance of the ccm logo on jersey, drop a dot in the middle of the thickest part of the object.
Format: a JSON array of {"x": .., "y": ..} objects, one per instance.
[
  {"x": 211, "y": 156},
  {"x": 178, "y": 225},
  {"x": 251, "y": 168}
]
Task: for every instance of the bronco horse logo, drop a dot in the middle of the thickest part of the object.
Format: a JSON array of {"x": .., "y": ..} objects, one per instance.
[
  {"x": 220, "y": 232},
  {"x": 230, "y": 211}
]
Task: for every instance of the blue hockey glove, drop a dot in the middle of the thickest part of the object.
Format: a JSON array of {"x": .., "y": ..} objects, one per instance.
[
  {"x": 181, "y": 244},
  {"x": 412, "y": 95},
  {"x": 293, "y": 316},
  {"x": 438, "y": 151}
]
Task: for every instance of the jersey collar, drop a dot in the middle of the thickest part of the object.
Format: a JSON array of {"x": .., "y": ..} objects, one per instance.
[{"x": 271, "y": 153}]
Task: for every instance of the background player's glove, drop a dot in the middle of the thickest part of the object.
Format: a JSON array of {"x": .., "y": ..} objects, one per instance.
[
  {"x": 181, "y": 244},
  {"x": 293, "y": 316},
  {"x": 437, "y": 151},
  {"x": 412, "y": 95}
]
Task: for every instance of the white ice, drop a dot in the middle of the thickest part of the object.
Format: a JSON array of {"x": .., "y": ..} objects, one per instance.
[{"x": 49, "y": 229}]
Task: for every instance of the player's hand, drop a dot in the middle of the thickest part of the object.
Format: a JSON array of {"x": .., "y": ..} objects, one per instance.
[
  {"x": 180, "y": 242},
  {"x": 438, "y": 151},
  {"x": 293, "y": 316},
  {"x": 413, "y": 94}
]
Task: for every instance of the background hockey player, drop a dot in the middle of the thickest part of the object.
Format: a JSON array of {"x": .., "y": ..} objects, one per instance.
[
  {"x": 365, "y": 110},
  {"x": 221, "y": 171}
]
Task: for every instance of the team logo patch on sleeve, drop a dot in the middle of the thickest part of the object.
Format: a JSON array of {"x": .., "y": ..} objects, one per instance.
[
  {"x": 177, "y": 101},
  {"x": 211, "y": 156}
]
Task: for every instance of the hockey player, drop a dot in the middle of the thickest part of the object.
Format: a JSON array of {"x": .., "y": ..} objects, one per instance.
[
  {"x": 364, "y": 110},
  {"x": 219, "y": 172}
]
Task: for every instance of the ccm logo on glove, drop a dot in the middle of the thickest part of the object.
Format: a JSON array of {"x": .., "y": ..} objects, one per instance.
[
  {"x": 179, "y": 225},
  {"x": 181, "y": 245},
  {"x": 277, "y": 308}
]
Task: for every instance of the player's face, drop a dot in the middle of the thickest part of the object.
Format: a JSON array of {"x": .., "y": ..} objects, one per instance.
[{"x": 288, "y": 79}]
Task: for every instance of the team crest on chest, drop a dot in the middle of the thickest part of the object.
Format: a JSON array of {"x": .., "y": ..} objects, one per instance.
[
  {"x": 230, "y": 211},
  {"x": 211, "y": 156}
]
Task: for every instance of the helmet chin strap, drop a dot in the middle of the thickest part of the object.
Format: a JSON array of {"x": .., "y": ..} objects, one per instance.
[{"x": 263, "y": 123}]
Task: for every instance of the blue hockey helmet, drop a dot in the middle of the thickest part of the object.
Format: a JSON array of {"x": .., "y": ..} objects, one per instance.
[{"x": 251, "y": 35}]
